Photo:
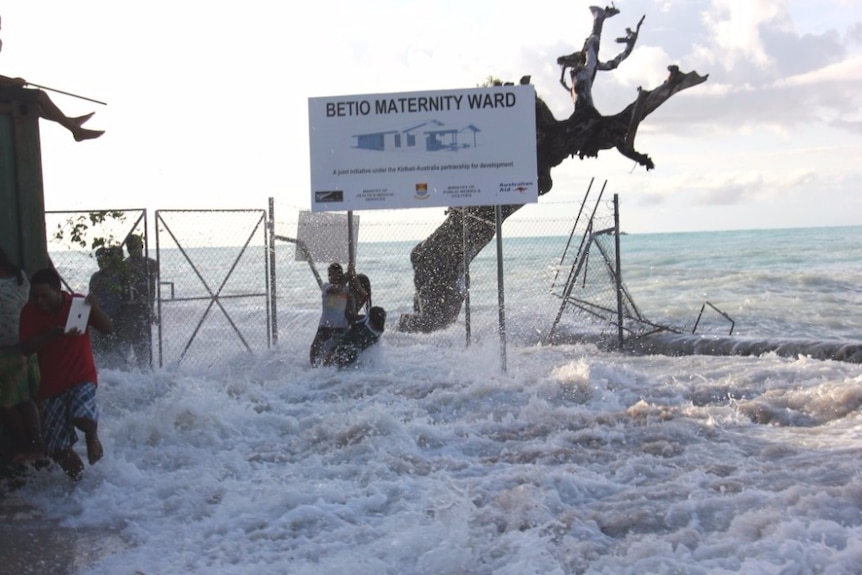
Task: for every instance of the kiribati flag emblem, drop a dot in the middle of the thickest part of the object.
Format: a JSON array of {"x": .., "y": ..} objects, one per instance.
[{"x": 421, "y": 192}]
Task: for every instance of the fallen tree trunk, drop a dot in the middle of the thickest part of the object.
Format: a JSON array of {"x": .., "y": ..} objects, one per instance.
[{"x": 438, "y": 261}]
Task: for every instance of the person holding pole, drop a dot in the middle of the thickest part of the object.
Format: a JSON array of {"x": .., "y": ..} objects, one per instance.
[
  {"x": 362, "y": 334},
  {"x": 338, "y": 306}
]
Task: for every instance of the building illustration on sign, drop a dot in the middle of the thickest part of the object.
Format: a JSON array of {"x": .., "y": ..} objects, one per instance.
[{"x": 432, "y": 136}]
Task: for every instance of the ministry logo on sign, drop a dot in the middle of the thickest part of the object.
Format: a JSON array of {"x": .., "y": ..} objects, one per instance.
[
  {"x": 421, "y": 192},
  {"x": 327, "y": 197}
]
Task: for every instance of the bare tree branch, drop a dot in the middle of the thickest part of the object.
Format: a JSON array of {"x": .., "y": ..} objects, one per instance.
[{"x": 438, "y": 260}]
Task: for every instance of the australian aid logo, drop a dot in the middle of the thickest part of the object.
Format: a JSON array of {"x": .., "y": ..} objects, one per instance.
[{"x": 519, "y": 187}]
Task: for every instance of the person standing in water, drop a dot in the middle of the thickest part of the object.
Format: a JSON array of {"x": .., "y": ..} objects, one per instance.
[
  {"x": 67, "y": 391},
  {"x": 338, "y": 306},
  {"x": 138, "y": 312},
  {"x": 362, "y": 334},
  {"x": 19, "y": 374},
  {"x": 107, "y": 285}
]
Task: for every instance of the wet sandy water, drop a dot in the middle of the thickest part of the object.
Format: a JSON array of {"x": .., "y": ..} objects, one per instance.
[{"x": 34, "y": 545}]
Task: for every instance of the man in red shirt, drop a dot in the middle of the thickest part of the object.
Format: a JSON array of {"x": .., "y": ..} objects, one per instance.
[{"x": 67, "y": 393}]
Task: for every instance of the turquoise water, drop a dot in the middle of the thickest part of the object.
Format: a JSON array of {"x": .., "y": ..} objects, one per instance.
[
  {"x": 797, "y": 283},
  {"x": 804, "y": 283},
  {"x": 777, "y": 284}
]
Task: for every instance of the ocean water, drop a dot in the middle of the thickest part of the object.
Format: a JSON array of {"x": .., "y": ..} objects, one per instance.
[{"x": 431, "y": 458}]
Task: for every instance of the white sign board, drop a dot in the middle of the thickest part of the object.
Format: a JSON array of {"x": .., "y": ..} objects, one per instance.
[
  {"x": 324, "y": 236},
  {"x": 423, "y": 149}
]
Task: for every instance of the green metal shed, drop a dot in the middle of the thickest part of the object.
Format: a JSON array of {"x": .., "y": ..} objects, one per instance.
[{"x": 22, "y": 200}]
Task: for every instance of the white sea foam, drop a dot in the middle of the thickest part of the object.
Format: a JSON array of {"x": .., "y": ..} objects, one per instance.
[{"x": 431, "y": 459}]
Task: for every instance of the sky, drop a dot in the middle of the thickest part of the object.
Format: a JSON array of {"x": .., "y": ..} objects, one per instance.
[{"x": 207, "y": 102}]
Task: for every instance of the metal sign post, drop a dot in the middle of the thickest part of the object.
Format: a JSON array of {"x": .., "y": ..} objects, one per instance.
[
  {"x": 498, "y": 217},
  {"x": 442, "y": 148}
]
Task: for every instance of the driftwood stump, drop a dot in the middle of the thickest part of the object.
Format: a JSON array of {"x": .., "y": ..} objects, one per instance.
[{"x": 438, "y": 261}]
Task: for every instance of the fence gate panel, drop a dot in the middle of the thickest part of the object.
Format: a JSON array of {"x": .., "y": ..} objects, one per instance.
[
  {"x": 73, "y": 237},
  {"x": 213, "y": 287}
]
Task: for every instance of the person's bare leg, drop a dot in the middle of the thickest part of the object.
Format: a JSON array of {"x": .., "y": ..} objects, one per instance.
[
  {"x": 69, "y": 462},
  {"x": 10, "y": 418},
  {"x": 79, "y": 120},
  {"x": 33, "y": 428},
  {"x": 94, "y": 446},
  {"x": 82, "y": 134},
  {"x": 22, "y": 423},
  {"x": 50, "y": 111}
]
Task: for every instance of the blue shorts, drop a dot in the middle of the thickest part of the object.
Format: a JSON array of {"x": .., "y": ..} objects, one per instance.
[{"x": 58, "y": 415}]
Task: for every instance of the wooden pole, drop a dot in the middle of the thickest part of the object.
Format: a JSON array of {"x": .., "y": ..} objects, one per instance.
[{"x": 67, "y": 93}]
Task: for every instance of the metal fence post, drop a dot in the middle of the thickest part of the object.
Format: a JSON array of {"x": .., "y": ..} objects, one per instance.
[
  {"x": 619, "y": 282},
  {"x": 500, "y": 289},
  {"x": 465, "y": 224},
  {"x": 272, "y": 308}
]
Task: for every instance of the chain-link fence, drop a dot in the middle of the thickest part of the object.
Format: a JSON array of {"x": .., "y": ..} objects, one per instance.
[
  {"x": 589, "y": 284},
  {"x": 533, "y": 243},
  {"x": 213, "y": 285},
  {"x": 225, "y": 287},
  {"x": 74, "y": 237},
  {"x": 74, "y": 240},
  {"x": 599, "y": 304}
]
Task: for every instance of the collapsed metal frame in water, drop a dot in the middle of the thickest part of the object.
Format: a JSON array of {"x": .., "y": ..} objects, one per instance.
[{"x": 608, "y": 306}]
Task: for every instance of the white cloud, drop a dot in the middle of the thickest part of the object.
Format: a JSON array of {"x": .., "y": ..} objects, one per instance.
[
  {"x": 735, "y": 26},
  {"x": 208, "y": 106},
  {"x": 646, "y": 67},
  {"x": 847, "y": 71}
]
